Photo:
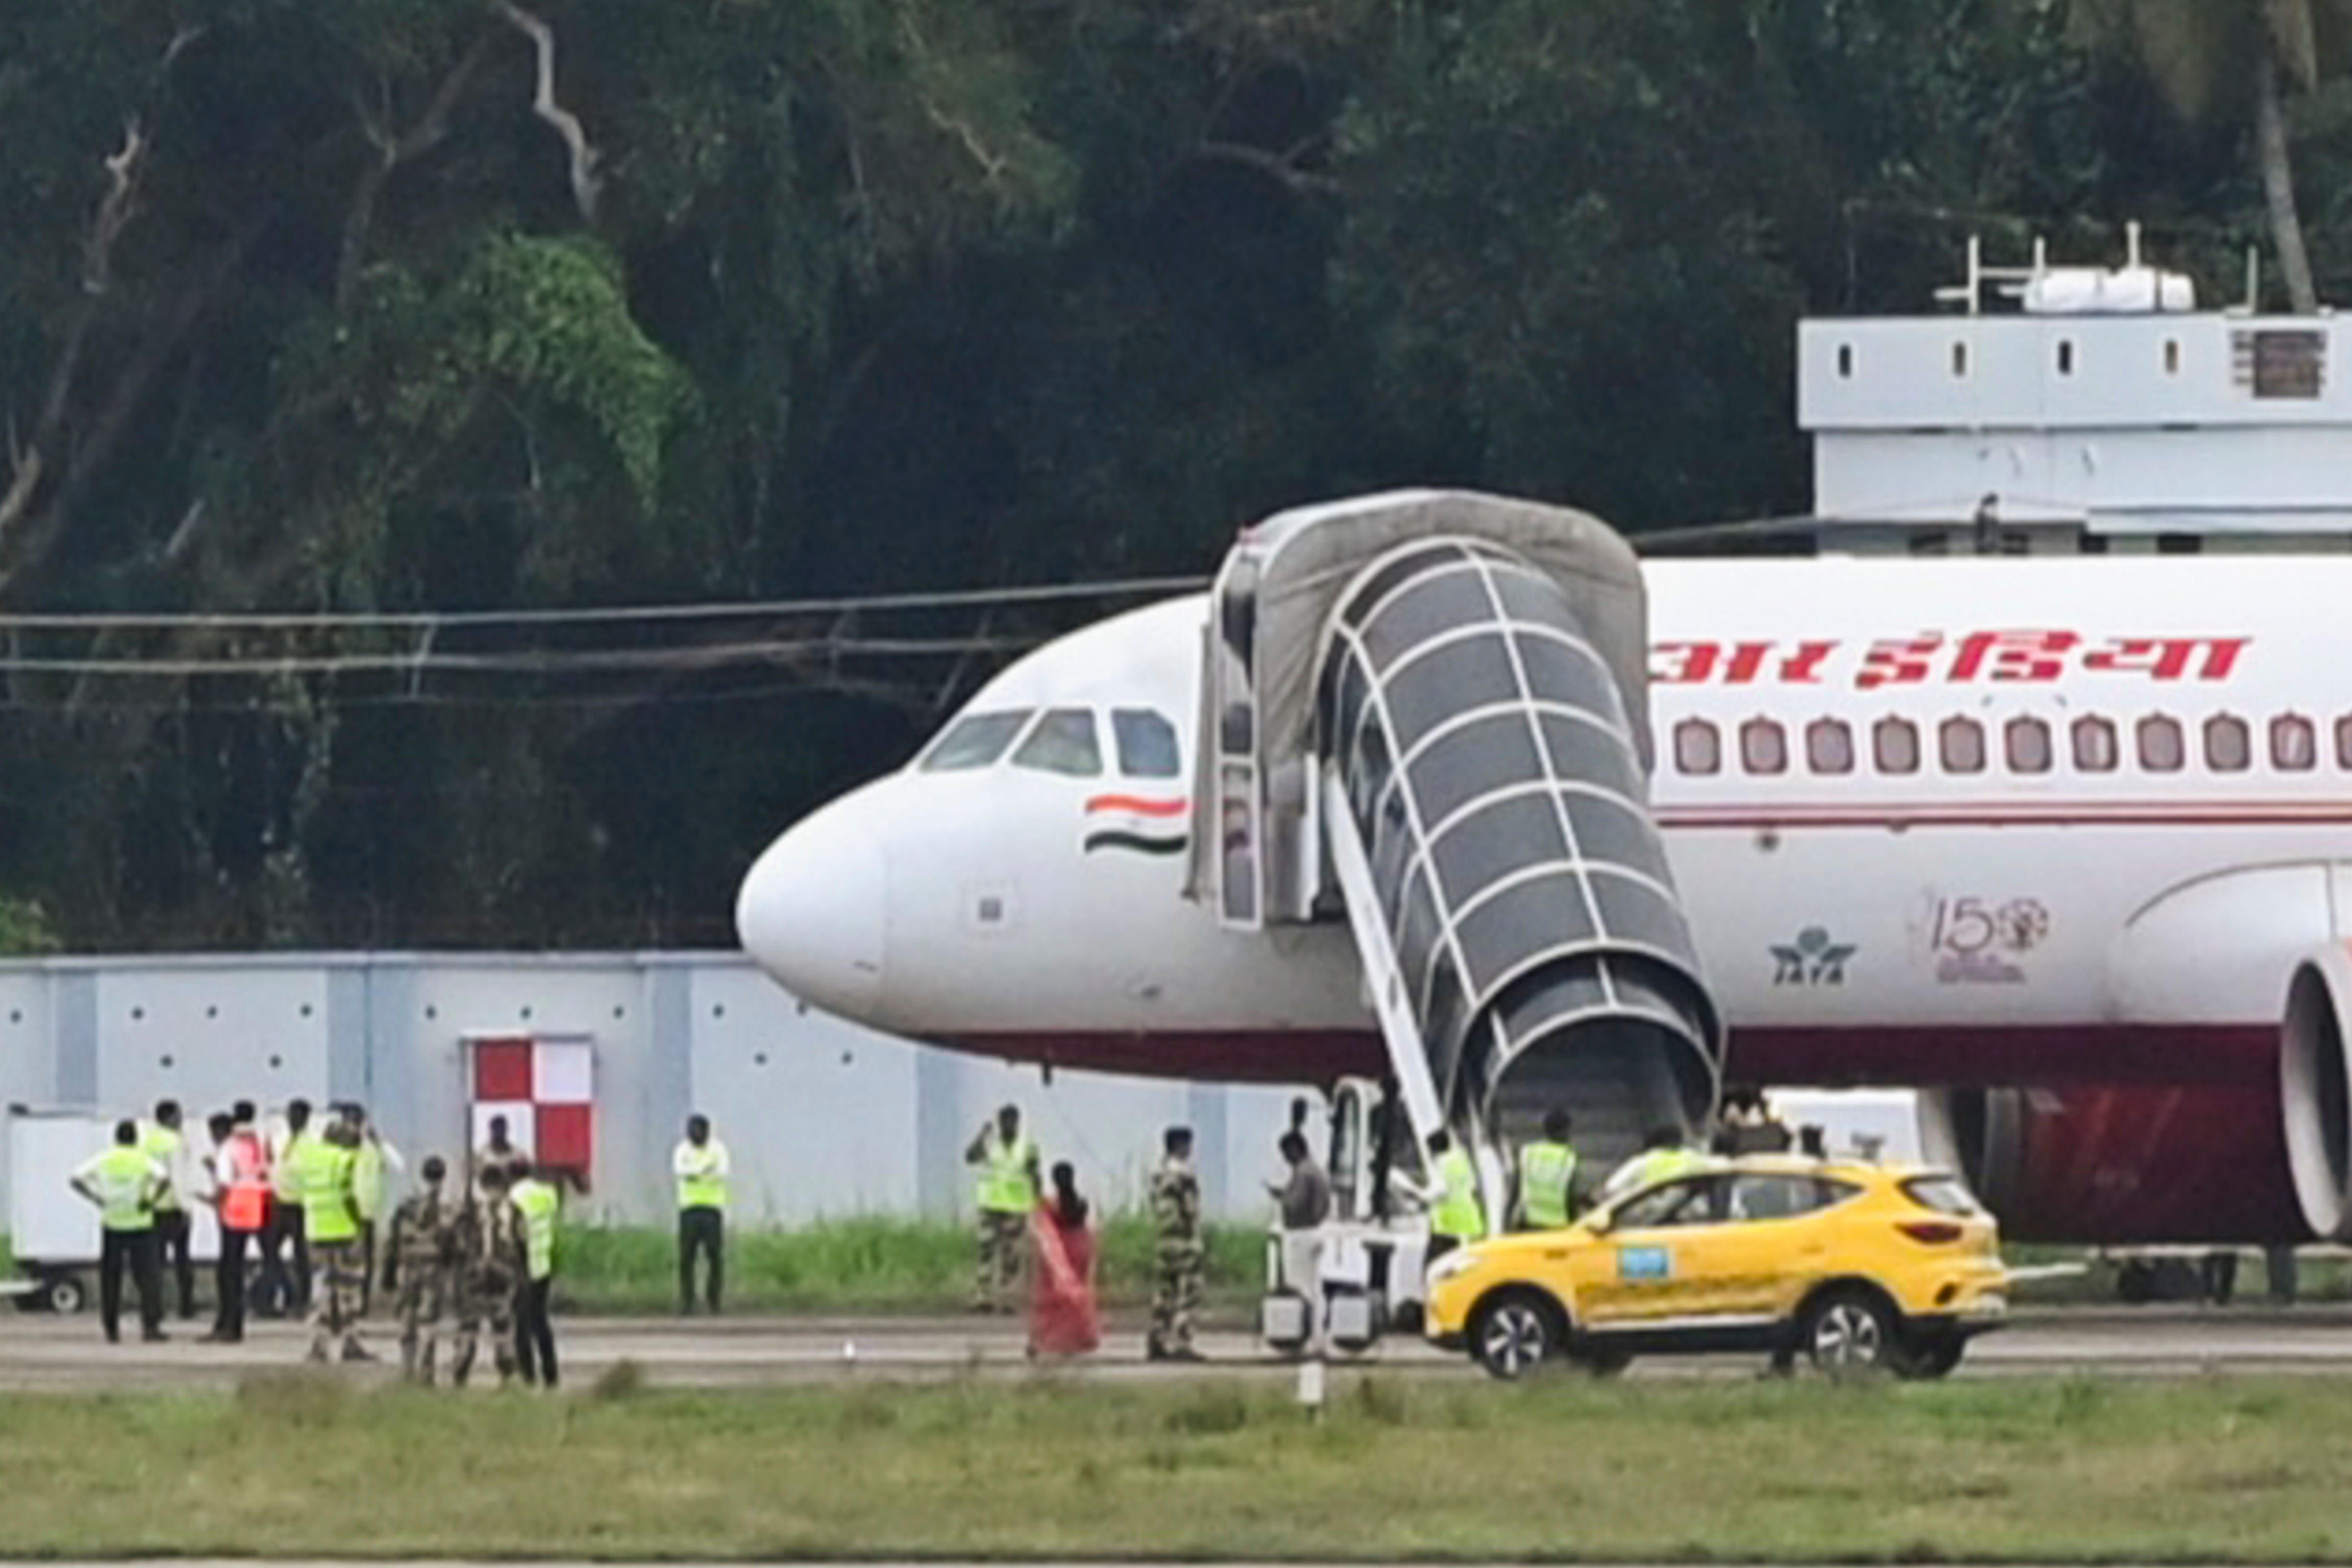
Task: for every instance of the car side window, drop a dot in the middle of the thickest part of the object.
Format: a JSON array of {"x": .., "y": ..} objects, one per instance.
[
  {"x": 1758, "y": 1195},
  {"x": 1696, "y": 1200},
  {"x": 1062, "y": 742}
]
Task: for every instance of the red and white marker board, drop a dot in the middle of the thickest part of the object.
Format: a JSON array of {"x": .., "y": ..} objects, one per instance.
[{"x": 545, "y": 1086}]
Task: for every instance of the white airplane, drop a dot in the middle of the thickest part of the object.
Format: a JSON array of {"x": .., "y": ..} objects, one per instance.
[{"x": 2066, "y": 839}]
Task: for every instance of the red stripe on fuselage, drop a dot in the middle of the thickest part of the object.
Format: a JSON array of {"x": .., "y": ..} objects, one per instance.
[
  {"x": 1953, "y": 1055},
  {"x": 2071, "y": 814}
]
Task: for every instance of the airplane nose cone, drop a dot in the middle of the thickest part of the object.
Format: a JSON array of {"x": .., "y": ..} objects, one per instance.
[{"x": 811, "y": 914}]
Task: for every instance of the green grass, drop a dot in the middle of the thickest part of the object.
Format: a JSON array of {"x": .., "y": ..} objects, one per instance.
[
  {"x": 2204, "y": 1469},
  {"x": 864, "y": 1265}
]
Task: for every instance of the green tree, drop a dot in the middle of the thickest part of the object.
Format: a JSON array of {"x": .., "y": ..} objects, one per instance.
[{"x": 2237, "y": 60}]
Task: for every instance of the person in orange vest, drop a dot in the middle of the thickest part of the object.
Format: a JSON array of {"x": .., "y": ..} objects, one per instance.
[{"x": 241, "y": 1192}]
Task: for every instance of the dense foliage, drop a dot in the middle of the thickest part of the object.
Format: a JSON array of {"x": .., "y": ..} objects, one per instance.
[{"x": 407, "y": 305}]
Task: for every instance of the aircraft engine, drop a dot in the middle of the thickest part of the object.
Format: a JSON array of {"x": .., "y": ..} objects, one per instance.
[
  {"x": 2268, "y": 1160},
  {"x": 2316, "y": 1088}
]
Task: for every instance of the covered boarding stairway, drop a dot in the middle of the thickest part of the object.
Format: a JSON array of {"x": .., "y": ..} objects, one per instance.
[{"x": 1428, "y": 718}]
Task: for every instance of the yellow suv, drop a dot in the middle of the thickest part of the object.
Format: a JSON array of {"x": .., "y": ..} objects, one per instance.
[{"x": 1851, "y": 1265}]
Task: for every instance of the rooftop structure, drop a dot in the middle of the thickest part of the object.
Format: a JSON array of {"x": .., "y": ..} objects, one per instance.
[{"x": 2078, "y": 408}]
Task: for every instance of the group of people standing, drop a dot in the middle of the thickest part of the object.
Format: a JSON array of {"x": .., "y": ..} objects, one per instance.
[
  {"x": 304, "y": 1201},
  {"x": 1022, "y": 1222}
]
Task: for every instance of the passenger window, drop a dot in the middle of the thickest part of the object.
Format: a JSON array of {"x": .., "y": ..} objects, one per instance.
[
  {"x": 1763, "y": 746},
  {"x": 2028, "y": 740},
  {"x": 1777, "y": 1196},
  {"x": 1697, "y": 1201},
  {"x": 1697, "y": 747},
  {"x": 1962, "y": 743},
  {"x": 1895, "y": 743},
  {"x": 1147, "y": 744},
  {"x": 2094, "y": 746},
  {"x": 974, "y": 740},
  {"x": 2294, "y": 745},
  {"x": 2343, "y": 744},
  {"x": 2162, "y": 747},
  {"x": 1828, "y": 746},
  {"x": 1062, "y": 742},
  {"x": 2229, "y": 745}
]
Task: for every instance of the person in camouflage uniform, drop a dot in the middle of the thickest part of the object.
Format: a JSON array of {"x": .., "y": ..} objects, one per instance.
[
  {"x": 418, "y": 1264},
  {"x": 327, "y": 1200},
  {"x": 1177, "y": 1251},
  {"x": 488, "y": 1247}
]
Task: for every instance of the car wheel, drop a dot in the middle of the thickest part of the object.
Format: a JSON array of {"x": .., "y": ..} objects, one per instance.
[
  {"x": 1849, "y": 1331},
  {"x": 1935, "y": 1357},
  {"x": 1515, "y": 1333},
  {"x": 65, "y": 1295}
]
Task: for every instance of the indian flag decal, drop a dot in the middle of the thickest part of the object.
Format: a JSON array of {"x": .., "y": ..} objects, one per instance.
[{"x": 1142, "y": 824}]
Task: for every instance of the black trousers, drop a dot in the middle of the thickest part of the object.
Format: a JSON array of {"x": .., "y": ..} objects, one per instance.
[
  {"x": 534, "y": 1334},
  {"x": 702, "y": 1230},
  {"x": 136, "y": 1250},
  {"x": 172, "y": 1249},
  {"x": 287, "y": 1291},
  {"x": 228, "y": 1284}
]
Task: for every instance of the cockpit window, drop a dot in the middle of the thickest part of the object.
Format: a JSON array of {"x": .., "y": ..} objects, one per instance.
[
  {"x": 1062, "y": 742},
  {"x": 974, "y": 740},
  {"x": 1147, "y": 744}
]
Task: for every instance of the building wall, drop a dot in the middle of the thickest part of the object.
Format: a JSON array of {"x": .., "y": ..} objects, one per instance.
[{"x": 823, "y": 1118}]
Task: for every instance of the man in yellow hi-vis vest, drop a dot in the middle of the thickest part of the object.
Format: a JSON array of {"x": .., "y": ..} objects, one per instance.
[
  {"x": 1545, "y": 1190},
  {"x": 125, "y": 1182},
  {"x": 536, "y": 1199},
  {"x": 286, "y": 1245},
  {"x": 165, "y": 1141},
  {"x": 1455, "y": 1215},
  {"x": 330, "y": 1222},
  {"x": 700, "y": 1163},
  {"x": 1009, "y": 1184}
]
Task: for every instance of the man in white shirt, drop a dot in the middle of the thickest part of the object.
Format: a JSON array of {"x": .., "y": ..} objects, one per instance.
[{"x": 700, "y": 1164}]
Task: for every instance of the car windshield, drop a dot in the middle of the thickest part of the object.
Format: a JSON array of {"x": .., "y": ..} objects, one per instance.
[{"x": 974, "y": 740}]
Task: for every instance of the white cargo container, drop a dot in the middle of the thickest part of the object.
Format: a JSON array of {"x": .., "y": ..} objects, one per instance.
[{"x": 52, "y": 1229}]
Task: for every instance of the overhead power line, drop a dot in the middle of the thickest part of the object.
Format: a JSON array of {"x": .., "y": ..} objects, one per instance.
[
  {"x": 538, "y": 662},
  {"x": 621, "y": 614}
]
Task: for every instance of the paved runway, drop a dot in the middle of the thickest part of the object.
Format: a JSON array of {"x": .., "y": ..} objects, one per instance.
[{"x": 40, "y": 1352}]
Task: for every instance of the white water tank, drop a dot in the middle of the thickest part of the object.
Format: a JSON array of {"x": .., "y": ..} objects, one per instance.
[{"x": 2099, "y": 291}]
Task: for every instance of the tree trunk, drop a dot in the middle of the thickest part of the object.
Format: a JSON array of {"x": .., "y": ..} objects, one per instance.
[{"x": 2278, "y": 186}]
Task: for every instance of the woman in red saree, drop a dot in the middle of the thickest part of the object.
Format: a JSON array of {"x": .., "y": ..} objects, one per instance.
[{"x": 1062, "y": 1319}]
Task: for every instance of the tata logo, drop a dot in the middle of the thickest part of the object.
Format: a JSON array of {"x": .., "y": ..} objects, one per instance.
[{"x": 1814, "y": 958}]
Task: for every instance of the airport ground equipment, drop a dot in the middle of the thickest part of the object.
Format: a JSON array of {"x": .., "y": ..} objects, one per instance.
[
  {"x": 1425, "y": 714},
  {"x": 52, "y": 1230},
  {"x": 1364, "y": 1274}
]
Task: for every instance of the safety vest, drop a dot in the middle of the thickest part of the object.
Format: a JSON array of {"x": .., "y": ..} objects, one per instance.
[
  {"x": 125, "y": 1179},
  {"x": 162, "y": 1145},
  {"x": 286, "y": 1173},
  {"x": 1006, "y": 1187},
  {"x": 245, "y": 1190},
  {"x": 1545, "y": 1170},
  {"x": 326, "y": 1177},
  {"x": 367, "y": 1181},
  {"x": 537, "y": 1202},
  {"x": 702, "y": 1174},
  {"x": 1654, "y": 1166},
  {"x": 1456, "y": 1210}
]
